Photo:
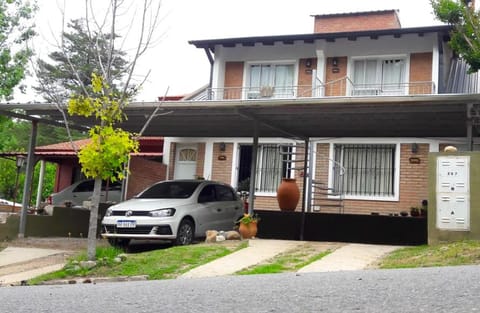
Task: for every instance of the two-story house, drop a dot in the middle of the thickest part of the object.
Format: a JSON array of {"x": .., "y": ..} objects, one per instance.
[{"x": 373, "y": 98}]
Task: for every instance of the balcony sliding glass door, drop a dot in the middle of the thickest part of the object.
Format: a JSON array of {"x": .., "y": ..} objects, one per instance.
[
  {"x": 270, "y": 81},
  {"x": 378, "y": 77}
]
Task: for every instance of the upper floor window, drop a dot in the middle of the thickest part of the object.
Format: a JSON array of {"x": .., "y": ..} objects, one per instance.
[
  {"x": 270, "y": 80},
  {"x": 379, "y": 77}
]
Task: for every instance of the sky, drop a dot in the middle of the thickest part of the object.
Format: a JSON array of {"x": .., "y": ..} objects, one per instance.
[{"x": 175, "y": 64}]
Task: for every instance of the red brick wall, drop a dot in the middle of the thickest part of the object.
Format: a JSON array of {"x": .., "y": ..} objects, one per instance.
[
  {"x": 64, "y": 174},
  {"x": 233, "y": 80},
  {"x": 143, "y": 173},
  {"x": 413, "y": 183},
  {"x": 338, "y": 88},
  {"x": 420, "y": 71},
  {"x": 356, "y": 22},
  {"x": 305, "y": 77}
]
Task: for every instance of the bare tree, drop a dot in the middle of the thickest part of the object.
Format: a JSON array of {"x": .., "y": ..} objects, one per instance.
[{"x": 120, "y": 22}]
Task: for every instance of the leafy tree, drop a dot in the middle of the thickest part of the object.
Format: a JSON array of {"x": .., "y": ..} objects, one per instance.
[
  {"x": 465, "y": 35},
  {"x": 15, "y": 31},
  {"x": 109, "y": 149},
  {"x": 72, "y": 65}
]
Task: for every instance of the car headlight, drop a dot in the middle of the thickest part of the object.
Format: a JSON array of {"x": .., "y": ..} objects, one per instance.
[
  {"x": 162, "y": 212},
  {"x": 109, "y": 212}
]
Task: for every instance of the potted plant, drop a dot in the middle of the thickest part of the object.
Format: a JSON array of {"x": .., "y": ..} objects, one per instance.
[
  {"x": 414, "y": 211},
  {"x": 248, "y": 225}
]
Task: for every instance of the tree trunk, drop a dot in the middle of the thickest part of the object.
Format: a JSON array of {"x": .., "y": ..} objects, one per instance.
[{"x": 92, "y": 228}]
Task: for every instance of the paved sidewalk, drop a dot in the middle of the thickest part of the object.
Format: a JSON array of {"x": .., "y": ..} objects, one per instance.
[
  {"x": 349, "y": 258},
  {"x": 258, "y": 250},
  {"x": 15, "y": 255},
  {"x": 16, "y": 264}
]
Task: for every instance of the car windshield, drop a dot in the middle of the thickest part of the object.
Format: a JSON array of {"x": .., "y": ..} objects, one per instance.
[{"x": 170, "y": 190}]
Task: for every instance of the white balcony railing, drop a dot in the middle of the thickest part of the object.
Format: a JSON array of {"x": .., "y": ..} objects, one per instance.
[{"x": 342, "y": 87}]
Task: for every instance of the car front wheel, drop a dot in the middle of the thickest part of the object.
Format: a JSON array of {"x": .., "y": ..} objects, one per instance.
[{"x": 185, "y": 233}]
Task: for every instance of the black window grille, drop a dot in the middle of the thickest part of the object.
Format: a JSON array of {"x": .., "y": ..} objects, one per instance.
[
  {"x": 273, "y": 163},
  {"x": 369, "y": 169}
]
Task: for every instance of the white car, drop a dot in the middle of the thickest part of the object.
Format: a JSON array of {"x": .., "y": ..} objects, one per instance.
[
  {"x": 81, "y": 191},
  {"x": 175, "y": 210}
]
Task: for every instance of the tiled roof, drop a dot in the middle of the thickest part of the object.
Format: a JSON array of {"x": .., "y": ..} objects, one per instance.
[{"x": 64, "y": 146}]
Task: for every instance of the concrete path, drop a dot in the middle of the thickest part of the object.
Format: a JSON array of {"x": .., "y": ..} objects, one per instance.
[
  {"x": 349, "y": 257},
  {"x": 258, "y": 250}
]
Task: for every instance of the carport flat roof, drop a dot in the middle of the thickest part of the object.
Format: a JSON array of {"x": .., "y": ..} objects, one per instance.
[{"x": 386, "y": 116}]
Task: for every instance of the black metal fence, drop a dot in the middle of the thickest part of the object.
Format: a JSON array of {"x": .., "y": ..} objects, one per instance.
[{"x": 374, "y": 229}]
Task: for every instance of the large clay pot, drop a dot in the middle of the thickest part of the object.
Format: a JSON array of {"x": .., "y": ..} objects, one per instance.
[
  {"x": 248, "y": 231},
  {"x": 288, "y": 194}
]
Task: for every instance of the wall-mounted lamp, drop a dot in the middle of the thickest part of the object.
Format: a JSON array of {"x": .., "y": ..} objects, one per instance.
[
  {"x": 308, "y": 62},
  {"x": 335, "y": 62},
  {"x": 222, "y": 147},
  {"x": 414, "y": 148}
]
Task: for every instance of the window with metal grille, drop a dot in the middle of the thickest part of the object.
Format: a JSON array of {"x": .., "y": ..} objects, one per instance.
[
  {"x": 273, "y": 163},
  {"x": 369, "y": 169}
]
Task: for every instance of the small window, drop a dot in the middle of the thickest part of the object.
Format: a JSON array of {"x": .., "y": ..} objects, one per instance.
[{"x": 187, "y": 155}]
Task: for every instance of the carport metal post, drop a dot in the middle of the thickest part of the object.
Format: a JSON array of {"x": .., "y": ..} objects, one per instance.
[
  {"x": 28, "y": 179},
  {"x": 306, "y": 180},
  {"x": 253, "y": 169}
]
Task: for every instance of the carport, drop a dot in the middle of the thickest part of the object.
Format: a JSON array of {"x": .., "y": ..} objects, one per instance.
[{"x": 301, "y": 119}]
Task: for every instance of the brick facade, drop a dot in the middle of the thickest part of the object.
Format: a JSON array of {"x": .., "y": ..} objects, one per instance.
[
  {"x": 356, "y": 21},
  {"x": 305, "y": 76},
  {"x": 413, "y": 182},
  {"x": 335, "y": 84},
  {"x": 421, "y": 73},
  {"x": 171, "y": 165},
  {"x": 200, "y": 159},
  {"x": 233, "y": 80},
  {"x": 143, "y": 173},
  {"x": 222, "y": 163}
]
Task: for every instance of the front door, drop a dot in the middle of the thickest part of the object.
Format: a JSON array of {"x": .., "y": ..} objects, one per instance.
[{"x": 185, "y": 162}]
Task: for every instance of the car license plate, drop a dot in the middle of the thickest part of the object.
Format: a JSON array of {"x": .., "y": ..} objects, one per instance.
[{"x": 126, "y": 224}]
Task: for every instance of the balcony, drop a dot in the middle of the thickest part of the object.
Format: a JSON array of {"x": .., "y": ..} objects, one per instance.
[{"x": 343, "y": 87}]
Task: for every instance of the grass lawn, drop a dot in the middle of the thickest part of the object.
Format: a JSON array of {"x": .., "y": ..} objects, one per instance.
[
  {"x": 156, "y": 264},
  {"x": 171, "y": 262},
  {"x": 457, "y": 253},
  {"x": 291, "y": 260}
]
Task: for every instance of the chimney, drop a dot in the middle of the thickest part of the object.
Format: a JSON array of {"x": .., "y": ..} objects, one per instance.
[{"x": 345, "y": 22}]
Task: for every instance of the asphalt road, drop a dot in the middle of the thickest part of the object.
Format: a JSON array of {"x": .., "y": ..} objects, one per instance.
[{"x": 446, "y": 289}]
